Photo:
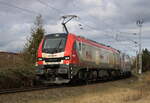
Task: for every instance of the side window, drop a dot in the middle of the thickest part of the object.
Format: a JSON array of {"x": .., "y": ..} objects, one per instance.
[{"x": 79, "y": 46}]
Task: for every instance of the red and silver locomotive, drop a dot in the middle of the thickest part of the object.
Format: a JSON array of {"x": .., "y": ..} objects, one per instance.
[
  {"x": 66, "y": 57},
  {"x": 63, "y": 58}
]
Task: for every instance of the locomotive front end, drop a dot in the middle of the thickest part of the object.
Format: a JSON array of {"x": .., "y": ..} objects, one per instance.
[{"x": 51, "y": 58}]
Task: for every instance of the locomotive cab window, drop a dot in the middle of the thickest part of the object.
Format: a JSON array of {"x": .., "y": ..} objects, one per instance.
[{"x": 54, "y": 44}]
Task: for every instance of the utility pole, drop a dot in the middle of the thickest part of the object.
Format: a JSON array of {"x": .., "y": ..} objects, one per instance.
[
  {"x": 139, "y": 24},
  {"x": 136, "y": 62}
]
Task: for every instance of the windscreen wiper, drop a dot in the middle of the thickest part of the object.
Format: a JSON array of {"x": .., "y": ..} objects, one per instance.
[{"x": 57, "y": 48}]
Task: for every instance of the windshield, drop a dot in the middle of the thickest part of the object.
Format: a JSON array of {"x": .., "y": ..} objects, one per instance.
[{"x": 53, "y": 45}]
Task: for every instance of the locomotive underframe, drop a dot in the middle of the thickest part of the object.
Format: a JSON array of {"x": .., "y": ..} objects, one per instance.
[
  {"x": 62, "y": 73},
  {"x": 55, "y": 73}
]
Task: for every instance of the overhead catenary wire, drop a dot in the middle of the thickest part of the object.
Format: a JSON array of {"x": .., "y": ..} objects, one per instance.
[
  {"x": 125, "y": 39},
  {"x": 116, "y": 30},
  {"x": 49, "y": 6},
  {"x": 97, "y": 29},
  {"x": 58, "y": 10},
  {"x": 106, "y": 34},
  {"x": 17, "y": 7}
]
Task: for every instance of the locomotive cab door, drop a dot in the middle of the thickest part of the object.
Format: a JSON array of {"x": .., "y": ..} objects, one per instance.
[{"x": 74, "y": 55}]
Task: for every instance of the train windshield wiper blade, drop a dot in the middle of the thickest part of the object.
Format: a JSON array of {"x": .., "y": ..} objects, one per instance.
[
  {"x": 47, "y": 50},
  {"x": 57, "y": 48}
]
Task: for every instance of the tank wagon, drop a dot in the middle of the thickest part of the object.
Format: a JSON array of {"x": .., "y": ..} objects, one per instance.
[{"x": 64, "y": 58}]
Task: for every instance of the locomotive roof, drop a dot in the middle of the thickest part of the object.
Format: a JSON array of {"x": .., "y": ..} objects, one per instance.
[
  {"x": 56, "y": 35},
  {"x": 65, "y": 35},
  {"x": 99, "y": 43}
]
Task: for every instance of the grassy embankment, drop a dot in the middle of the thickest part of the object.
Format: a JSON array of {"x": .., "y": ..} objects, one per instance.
[
  {"x": 16, "y": 77},
  {"x": 123, "y": 91},
  {"x": 131, "y": 90},
  {"x": 14, "y": 72}
]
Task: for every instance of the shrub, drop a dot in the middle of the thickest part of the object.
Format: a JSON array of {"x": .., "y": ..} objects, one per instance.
[{"x": 16, "y": 77}]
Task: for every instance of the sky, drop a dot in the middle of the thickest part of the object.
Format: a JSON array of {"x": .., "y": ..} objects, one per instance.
[{"x": 111, "y": 22}]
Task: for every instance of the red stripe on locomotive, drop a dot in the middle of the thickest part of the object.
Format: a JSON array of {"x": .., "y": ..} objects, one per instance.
[
  {"x": 40, "y": 52},
  {"x": 69, "y": 50}
]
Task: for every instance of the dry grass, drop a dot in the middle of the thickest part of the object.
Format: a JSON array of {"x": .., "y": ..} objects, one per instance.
[
  {"x": 14, "y": 71},
  {"x": 122, "y": 91}
]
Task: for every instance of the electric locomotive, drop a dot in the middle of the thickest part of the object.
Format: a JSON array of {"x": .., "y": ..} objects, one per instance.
[{"x": 66, "y": 57}]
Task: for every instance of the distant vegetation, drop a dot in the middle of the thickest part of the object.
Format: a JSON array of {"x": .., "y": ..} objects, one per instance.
[
  {"x": 145, "y": 60},
  {"x": 10, "y": 59}
]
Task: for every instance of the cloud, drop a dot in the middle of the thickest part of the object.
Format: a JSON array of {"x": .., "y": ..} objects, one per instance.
[
  {"x": 101, "y": 20},
  {"x": 14, "y": 37}
]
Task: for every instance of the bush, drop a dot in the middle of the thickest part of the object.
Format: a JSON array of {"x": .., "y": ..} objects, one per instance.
[{"x": 16, "y": 77}]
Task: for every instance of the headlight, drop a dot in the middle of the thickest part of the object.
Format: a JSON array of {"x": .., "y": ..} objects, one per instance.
[
  {"x": 40, "y": 59},
  {"x": 66, "y": 57}
]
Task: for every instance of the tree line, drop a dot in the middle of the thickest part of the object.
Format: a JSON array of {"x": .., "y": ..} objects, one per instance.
[{"x": 146, "y": 59}]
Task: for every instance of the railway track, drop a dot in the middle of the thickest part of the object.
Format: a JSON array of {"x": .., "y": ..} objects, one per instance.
[
  {"x": 16, "y": 90},
  {"x": 28, "y": 89}
]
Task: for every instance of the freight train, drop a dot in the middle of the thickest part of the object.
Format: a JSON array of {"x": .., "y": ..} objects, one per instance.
[{"x": 64, "y": 58}]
